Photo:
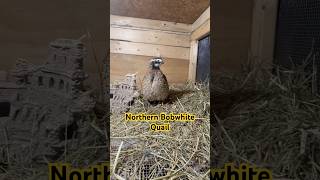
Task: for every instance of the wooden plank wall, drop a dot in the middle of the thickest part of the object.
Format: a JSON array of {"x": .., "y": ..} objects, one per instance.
[
  {"x": 176, "y": 70},
  {"x": 134, "y": 41}
]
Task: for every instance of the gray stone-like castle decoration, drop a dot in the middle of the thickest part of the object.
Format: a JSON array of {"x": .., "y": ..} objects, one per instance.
[
  {"x": 122, "y": 94},
  {"x": 45, "y": 106}
]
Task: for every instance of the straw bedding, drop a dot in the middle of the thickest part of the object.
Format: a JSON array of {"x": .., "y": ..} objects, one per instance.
[
  {"x": 137, "y": 153},
  {"x": 273, "y": 121},
  {"x": 268, "y": 120},
  {"x": 182, "y": 153}
]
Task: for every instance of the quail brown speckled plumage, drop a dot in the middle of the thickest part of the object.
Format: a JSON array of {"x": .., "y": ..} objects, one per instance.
[{"x": 155, "y": 86}]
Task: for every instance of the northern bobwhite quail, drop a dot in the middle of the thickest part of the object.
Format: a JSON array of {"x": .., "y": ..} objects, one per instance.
[{"x": 155, "y": 86}]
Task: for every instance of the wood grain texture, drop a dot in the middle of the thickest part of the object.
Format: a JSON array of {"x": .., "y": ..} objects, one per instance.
[
  {"x": 176, "y": 70},
  {"x": 125, "y": 21},
  {"x": 124, "y": 47},
  {"x": 201, "y": 28},
  {"x": 205, "y": 16},
  {"x": 183, "y": 11},
  {"x": 264, "y": 31},
  {"x": 157, "y": 37},
  {"x": 193, "y": 61},
  {"x": 202, "y": 31}
]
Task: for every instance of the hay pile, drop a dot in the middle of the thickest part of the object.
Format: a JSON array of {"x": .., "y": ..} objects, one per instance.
[
  {"x": 273, "y": 121},
  {"x": 182, "y": 153},
  {"x": 92, "y": 149}
]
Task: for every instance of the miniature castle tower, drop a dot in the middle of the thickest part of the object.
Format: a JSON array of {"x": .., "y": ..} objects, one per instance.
[
  {"x": 49, "y": 95},
  {"x": 66, "y": 57},
  {"x": 67, "y": 54},
  {"x": 123, "y": 93}
]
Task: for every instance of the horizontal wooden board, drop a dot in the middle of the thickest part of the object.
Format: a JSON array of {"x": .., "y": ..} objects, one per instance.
[
  {"x": 149, "y": 36},
  {"x": 176, "y": 70},
  {"x": 202, "y": 19},
  {"x": 149, "y": 24},
  {"x": 202, "y": 31},
  {"x": 124, "y": 47}
]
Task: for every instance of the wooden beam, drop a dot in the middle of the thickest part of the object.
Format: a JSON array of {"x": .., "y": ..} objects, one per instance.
[
  {"x": 193, "y": 61},
  {"x": 200, "y": 28},
  {"x": 149, "y": 24},
  {"x": 263, "y": 32},
  {"x": 202, "y": 19},
  {"x": 149, "y": 36},
  {"x": 202, "y": 31},
  {"x": 143, "y": 49}
]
